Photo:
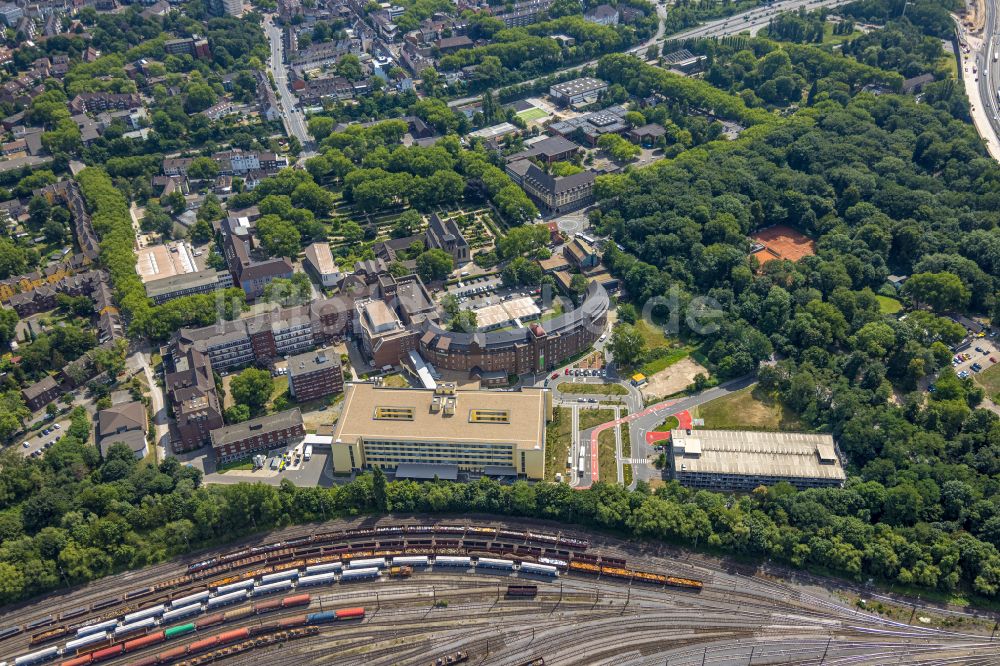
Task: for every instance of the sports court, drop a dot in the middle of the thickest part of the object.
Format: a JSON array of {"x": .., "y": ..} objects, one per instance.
[{"x": 782, "y": 242}]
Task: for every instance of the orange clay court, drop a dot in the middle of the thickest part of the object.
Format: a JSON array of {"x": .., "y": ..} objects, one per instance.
[{"x": 783, "y": 242}]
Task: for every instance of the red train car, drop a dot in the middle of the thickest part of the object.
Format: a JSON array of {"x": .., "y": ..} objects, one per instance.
[
  {"x": 147, "y": 661},
  {"x": 107, "y": 653},
  {"x": 296, "y": 600},
  {"x": 290, "y": 622},
  {"x": 267, "y": 606},
  {"x": 203, "y": 644},
  {"x": 172, "y": 654},
  {"x": 209, "y": 621},
  {"x": 350, "y": 613},
  {"x": 78, "y": 661},
  {"x": 145, "y": 641}
]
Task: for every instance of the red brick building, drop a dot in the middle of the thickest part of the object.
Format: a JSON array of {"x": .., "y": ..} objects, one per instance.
[
  {"x": 314, "y": 375},
  {"x": 257, "y": 435}
]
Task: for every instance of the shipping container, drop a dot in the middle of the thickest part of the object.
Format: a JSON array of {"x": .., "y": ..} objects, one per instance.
[
  {"x": 145, "y": 641},
  {"x": 267, "y": 606},
  {"x": 77, "y": 643},
  {"x": 281, "y": 575},
  {"x": 77, "y": 661},
  {"x": 152, "y": 611},
  {"x": 296, "y": 600},
  {"x": 321, "y": 618},
  {"x": 196, "y": 598},
  {"x": 177, "y": 614},
  {"x": 323, "y": 568},
  {"x": 271, "y": 588},
  {"x": 350, "y": 613},
  {"x": 319, "y": 579},
  {"x": 296, "y": 621},
  {"x": 107, "y": 653},
  {"x": 209, "y": 621},
  {"x": 367, "y": 564},
  {"x": 179, "y": 630}
]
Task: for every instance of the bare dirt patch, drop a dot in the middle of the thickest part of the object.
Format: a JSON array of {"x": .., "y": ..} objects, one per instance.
[{"x": 675, "y": 378}]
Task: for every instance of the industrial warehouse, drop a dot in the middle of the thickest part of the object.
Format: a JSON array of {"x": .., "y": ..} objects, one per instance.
[
  {"x": 444, "y": 427},
  {"x": 740, "y": 460}
]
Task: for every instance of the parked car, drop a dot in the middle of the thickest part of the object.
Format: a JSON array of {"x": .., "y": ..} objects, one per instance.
[{"x": 555, "y": 375}]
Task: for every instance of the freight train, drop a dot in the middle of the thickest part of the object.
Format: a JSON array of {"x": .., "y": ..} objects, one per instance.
[{"x": 90, "y": 651}]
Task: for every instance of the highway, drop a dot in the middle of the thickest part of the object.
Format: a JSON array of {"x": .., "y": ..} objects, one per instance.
[
  {"x": 749, "y": 21},
  {"x": 989, "y": 71},
  {"x": 291, "y": 117}
]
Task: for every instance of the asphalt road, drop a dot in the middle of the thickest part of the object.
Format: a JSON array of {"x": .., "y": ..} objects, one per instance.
[
  {"x": 292, "y": 118},
  {"x": 988, "y": 60}
]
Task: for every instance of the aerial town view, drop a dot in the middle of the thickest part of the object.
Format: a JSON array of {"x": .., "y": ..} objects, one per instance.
[{"x": 502, "y": 332}]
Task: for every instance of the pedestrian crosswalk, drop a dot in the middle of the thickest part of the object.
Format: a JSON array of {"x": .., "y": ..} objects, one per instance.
[{"x": 635, "y": 461}]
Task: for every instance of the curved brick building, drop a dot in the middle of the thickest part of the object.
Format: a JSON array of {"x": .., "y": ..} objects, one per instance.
[{"x": 538, "y": 347}]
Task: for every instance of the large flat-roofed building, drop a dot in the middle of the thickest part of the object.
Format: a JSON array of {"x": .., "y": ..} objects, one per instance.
[
  {"x": 740, "y": 460},
  {"x": 476, "y": 430},
  {"x": 185, "y": 284},
  {"x": 383, "y": 336},
  {"x": 314, "y": 375},
  {"x": 577, "y": 90},
  {"x": 261, "y": 434}
]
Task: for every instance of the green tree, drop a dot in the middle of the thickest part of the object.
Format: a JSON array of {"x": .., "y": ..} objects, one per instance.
[
  {"x": 434, "y": 265},
  {"x": 278, "y": 237},
  {"x": 940, "y": 291},
  {"x": 626, "y": 345},
  {"x": 203, "y": 168},
  {"x": 253, "y": 388}
]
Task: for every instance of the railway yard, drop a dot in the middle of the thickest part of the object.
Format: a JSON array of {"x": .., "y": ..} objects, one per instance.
[{"x": 423, "y": 592}]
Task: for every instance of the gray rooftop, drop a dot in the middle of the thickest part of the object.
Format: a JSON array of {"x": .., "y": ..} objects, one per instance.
[{"x": 263, "y": 424}]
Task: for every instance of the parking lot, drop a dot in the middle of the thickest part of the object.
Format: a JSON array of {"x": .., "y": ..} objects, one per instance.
[
  {"x": 301, "y": 472},
  {"x": 981, "y": 354},
  {"x": 43, "y": 439}
]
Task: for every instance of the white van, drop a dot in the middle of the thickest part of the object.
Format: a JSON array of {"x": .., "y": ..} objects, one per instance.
[{"x": 309, "y": 452}]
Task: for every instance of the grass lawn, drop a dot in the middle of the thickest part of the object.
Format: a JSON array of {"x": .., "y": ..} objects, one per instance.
[
  {"x": 665, "y": 361},
  {"x": 280, "y": 389},
  {"x": 534, "y": 113},
  {"x": 595, "y": 417},
  {"x": 558, "y": 437},
  {"x": 606, "y": 463},
  {"x": 652, "y": 336},
  {"x": 593, "y": 389},
  {"x": 830, "y": 38},
  {"x": 888, "y": 305},
  {"x": 396, "y": 381},
  {"x": 626, "y": 453},
  {"x": 245, "y": 465},
  {"x": 989, "y": 379},
  {"x": 749, "y": 409},
  {"x": 670, "y": 424}
]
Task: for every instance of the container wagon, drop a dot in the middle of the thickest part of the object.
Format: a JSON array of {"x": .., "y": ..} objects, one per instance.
[
  {"x": 359, "y": 574},
  {"x": 134, "y": 628},
  {"x": 321, "y": 617},
  {"x": 77, "y": 661},
  {"x": 76, "y": 612},
  {"x": 145, "y": 641},
  {"x": 267, "y": 606},
  {"x": 493, "y": 563},
  {"x": 39, "y": 623},
  {"x": 104, "y": 603},
  {"x": 233, "y": 587},
  {"x": 209, "y": 621},
  {"x": 107, "y": 653},
  {"x": 271, "y": 588},
  {"x": 452, "y": 561},
  {"x": 296, "y": 600},
  {"x": 7, "y": 632},
  {"x": 179, "y": 630},
  {"x": 198, "y": 598},
  {"x": 226, "y": 599},
  {"x": 237, "y": 613},
  {"x": 187, "y": 611},
  {"x": 319, "y": 579},
  {"x": 539, "y": 569},
  {"x": 522, "y": 590},
  {"x": 152, "y": 611},
  {"x": 413, "y": 561},
  {"x": 351, "y": 613},
  {"x": 94, "y": 628},
  {"x": 324, "y": 568},
  {"x": 283, "y": 575},
  {"x": 40, "y": 657},
  {"x": 378, "y": 562},
  {"x": 87, "y": 641}
]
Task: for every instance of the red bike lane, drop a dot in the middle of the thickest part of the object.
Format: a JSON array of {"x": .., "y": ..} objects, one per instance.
[{"x": 683, "y": 418}]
